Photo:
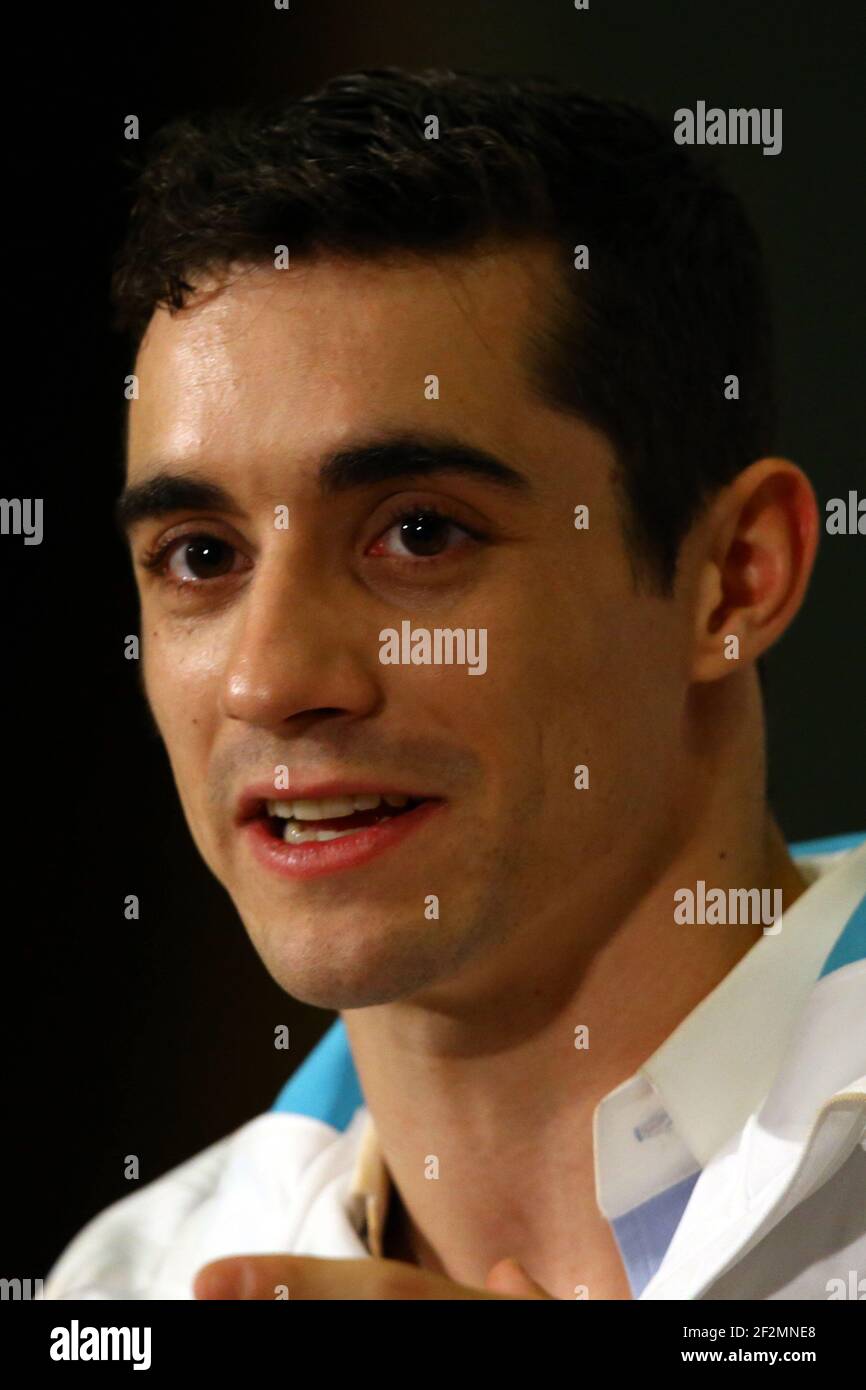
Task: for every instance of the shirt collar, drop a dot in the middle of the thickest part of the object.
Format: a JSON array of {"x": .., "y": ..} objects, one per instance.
[
  {"x": 717, "y": 1066},
  {"x": 370, "y": 1189}
]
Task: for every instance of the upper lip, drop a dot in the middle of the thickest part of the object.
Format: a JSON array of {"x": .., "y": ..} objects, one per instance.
[{"x": 252, "y": 801}]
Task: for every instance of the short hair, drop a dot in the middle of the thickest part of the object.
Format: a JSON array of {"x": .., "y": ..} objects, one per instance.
[{"x": 639, "y": 344}]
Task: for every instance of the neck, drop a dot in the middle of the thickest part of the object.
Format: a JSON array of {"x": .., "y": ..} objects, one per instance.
[{"x": 491, "y": 1101}]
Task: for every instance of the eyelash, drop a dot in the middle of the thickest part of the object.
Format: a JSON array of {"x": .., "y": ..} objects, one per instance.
[{"x": 155, "y": 560}]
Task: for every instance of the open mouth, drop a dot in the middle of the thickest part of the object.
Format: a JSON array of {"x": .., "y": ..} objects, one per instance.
[{"x": 300, "y": 822}]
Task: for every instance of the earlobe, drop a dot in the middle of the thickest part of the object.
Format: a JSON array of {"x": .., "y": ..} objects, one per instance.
[{"x": 761, "y": 541}]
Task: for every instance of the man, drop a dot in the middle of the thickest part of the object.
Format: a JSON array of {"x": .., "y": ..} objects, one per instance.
[{"x": 459, "y": 535}]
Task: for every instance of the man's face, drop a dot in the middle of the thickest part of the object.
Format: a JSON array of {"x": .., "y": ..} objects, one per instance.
[{"x": 261, "y": 628}]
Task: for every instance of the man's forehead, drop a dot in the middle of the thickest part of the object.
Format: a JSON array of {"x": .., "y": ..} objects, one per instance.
[
  {"x": 230, "y": 312},
  {"x": 343, "y": 341}
]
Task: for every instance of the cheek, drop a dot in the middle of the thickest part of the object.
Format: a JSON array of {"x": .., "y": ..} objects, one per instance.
[
  {"x": 181, "y": 691},
  {"x": 571, "y": 687},
  {"x": 182, "y": 683}
]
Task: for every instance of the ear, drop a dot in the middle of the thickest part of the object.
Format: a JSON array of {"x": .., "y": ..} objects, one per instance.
[{"x": 759, "y": 538}]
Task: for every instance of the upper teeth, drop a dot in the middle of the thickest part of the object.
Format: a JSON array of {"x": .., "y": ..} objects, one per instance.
[{"x": 329, "y": 807}]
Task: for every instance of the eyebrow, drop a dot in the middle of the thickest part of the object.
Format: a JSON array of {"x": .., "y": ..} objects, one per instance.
[{"x": 405, "y": 456}]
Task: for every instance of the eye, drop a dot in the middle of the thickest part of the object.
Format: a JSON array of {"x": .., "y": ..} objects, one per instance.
[
  {"x": 193, "y": 559},
  {"x": 420, "y": 533}
]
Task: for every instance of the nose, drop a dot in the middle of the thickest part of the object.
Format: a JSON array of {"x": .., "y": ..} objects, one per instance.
[{"x": 297, "y": 650}]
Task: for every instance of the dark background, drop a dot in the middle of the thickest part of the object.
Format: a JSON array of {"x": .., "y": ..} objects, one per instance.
[{"x": 156, "y": 1037}]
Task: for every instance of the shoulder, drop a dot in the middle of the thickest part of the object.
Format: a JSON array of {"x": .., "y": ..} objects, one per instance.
[{"x": 250, "y": 1189}]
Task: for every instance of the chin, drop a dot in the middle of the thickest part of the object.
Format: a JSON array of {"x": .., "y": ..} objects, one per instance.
[
  {"x": 355, "y": 973},
  {"x": 329, "y": 989}
]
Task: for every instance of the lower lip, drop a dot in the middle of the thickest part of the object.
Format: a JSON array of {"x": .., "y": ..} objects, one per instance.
[{"x": 319, "y": 857}]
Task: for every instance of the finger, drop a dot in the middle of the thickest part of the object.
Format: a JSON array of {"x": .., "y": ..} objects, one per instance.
[
  {"x": 234, "y": 1277},
  {"x": 276, "y": 1277},
  {"x": 509, "y": 1277},
  {"x": 308, "y": 1277}
]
